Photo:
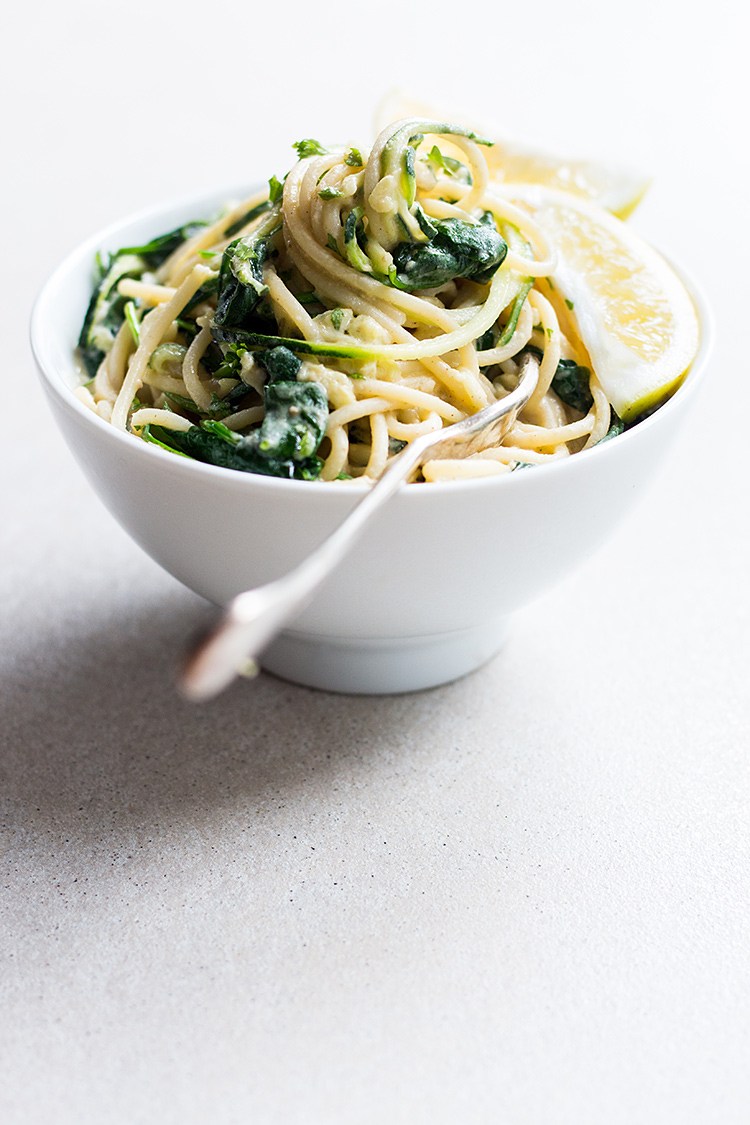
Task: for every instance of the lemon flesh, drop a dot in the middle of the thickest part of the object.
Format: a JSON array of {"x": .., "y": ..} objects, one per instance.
[{"x": 633, "y": 313}]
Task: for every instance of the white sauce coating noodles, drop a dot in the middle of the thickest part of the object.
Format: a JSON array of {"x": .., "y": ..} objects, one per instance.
[{"x": 398, "y": 290}]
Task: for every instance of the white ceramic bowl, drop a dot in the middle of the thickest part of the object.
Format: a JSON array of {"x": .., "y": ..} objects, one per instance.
[{"x": 425, "y": 595}]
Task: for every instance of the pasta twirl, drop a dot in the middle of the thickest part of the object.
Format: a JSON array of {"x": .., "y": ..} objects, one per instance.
[{"x": 313, "y": 329}]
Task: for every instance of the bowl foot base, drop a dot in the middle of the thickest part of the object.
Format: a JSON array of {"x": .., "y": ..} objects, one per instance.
[{"x": 383, "y": 666}]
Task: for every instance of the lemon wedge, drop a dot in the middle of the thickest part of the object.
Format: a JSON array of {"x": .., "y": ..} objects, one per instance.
[
  {"x": 616, "y": 189},
  {"x": 633, "y": 313}
]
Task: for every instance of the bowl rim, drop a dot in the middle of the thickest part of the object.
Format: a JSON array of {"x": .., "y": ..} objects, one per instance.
[{"x": 55, "y": 381}]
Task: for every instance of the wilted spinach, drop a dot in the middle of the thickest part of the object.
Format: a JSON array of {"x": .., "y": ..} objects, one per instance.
[
  {"x": 240, "y": 284},
  {"x": 571, "y": 384},
  {"x": 456, "y": 249},
  {"x": 284, "y": 445}
]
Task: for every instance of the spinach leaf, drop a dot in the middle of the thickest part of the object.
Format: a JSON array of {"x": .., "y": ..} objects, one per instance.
[
  {"x": 616, "y": 427},
  {"x": 248, "y": 217},
  {"x": 571, "y": 384},
  {"x": 206, "y": 290},
  {"x": 220, "y": 407},
  {"x": 281, "y": 364},
  {"x": 240, "y": 284},
  {"x": 295, "y": 421},
  {"x": 155, "y": 252},
  {"x": 283, "y": 446},
  {"x": 457, "y": 249}
]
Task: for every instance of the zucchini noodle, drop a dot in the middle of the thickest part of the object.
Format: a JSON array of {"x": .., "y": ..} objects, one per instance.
[{"x": 314, "y": 329}]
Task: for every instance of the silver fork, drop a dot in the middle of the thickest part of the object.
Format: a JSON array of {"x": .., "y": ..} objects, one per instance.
[{"x": 252, "y": 619}]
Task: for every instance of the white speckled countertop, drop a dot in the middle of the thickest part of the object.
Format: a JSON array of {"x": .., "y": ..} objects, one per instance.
[{"x": 522, "y": 898}]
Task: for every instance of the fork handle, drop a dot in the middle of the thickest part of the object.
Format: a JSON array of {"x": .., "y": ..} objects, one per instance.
[
  {"x": 254, "y": 617},
  {"x": 251, "y": 619}
]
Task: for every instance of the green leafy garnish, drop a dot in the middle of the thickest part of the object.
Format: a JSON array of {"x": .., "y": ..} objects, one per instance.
[
  {"x": 309, "y": 147},
  {"x": 147, "y": 433},
  {"x": 616, "y": 427},
  {"x": 240, "y": 284},
  {"x": 155, "y": 252},
  {"x": 458, "y": 249},
  {"x": 275, "y": 189},
  {"x": 284, "y": 445},
  {"x": 248, "y": 217},
  {"x": 280, "y": 363},
  {"x": 439, "y": 162},
  {"x": 571, "y": 384}
]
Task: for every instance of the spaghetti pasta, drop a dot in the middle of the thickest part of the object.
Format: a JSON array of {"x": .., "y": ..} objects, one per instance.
[{"x": 313, "y": 329}]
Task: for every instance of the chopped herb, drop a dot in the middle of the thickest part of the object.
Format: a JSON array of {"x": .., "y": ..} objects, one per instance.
[
  {"x": 337, "y": 317},
  {"x": 439, "y": 162},
  {"x": 354, "y": 158},
  {"x": 309, "y": 147},
  {"x": 570, "y": 304},
  {"x": 330, "y": 193},
  {"x": 275, "y": 189}
]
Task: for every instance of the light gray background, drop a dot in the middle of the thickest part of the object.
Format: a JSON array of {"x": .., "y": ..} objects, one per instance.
[{"x": 522, "y": 898}]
